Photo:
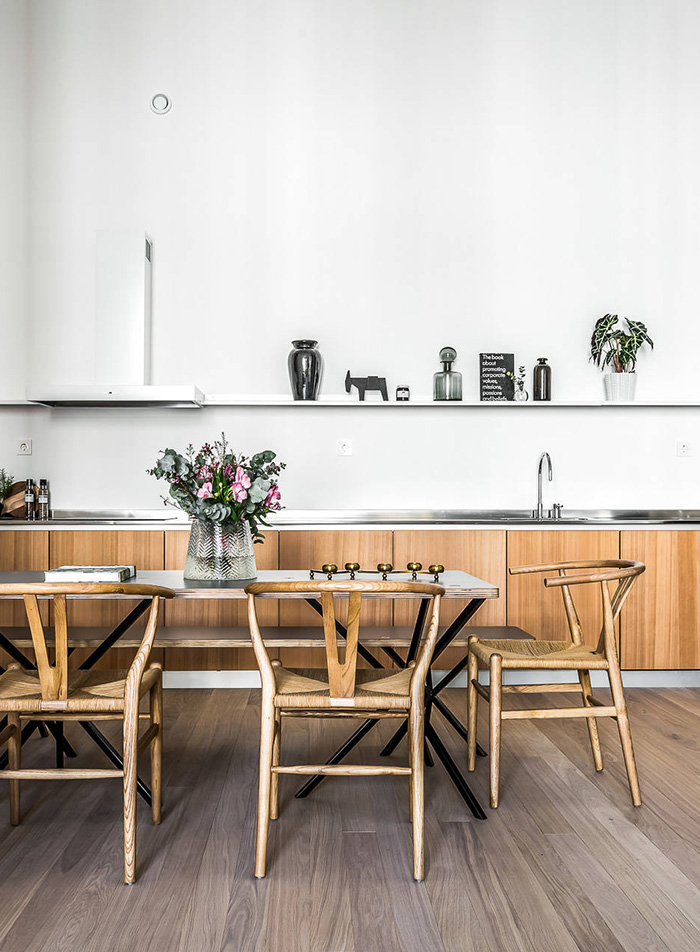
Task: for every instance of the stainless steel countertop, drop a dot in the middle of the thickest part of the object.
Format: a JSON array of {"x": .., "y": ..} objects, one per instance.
[
  {"x": 170, "y": 518},
  {"x": 307, "y": 517}
]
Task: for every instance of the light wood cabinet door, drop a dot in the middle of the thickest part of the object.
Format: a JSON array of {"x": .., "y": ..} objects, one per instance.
[
  {"x": 21, "y": 551},
  {"x": 306, "y": 550},
  {"x": 480, "y": 553},
  {"x": 216, "y": 612},
  {"x": 539, "y": 610},
  {"x": 142, "y": 549},
  {"x": 660, "y": 622}
]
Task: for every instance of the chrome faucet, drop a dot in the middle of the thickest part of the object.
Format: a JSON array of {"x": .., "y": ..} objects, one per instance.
[{"x": 539, "y": 513}]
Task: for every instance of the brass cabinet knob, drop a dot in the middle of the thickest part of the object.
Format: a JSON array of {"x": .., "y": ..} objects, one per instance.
[
  {"x": 352, "y": 567},
  {"x": 384, "y": 568},
  {"x": 436, "y": 569},
  {"x": 329, "y": 568},
  {"x": 414, "y": 568}
]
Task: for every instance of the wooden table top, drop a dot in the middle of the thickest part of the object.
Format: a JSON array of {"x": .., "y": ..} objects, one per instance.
[{"x": 456, "y": 584}]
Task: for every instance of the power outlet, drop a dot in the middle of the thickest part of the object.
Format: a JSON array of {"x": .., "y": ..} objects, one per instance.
[
  {"x": 24, "y": 447},
  {"x": 683, "y": 448},
  {"x": 343, "y": 447}
]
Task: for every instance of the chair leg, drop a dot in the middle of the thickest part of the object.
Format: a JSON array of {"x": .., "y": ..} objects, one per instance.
[
  {"x": 156, "y": 717},
  {"x": 495, "y": 695},
  {"x": 623, "y": 726},
  {"x": 14, "y": 751},
  {"x": 472, "y": 709},
  {"x": 416, "y": 742},
  {"x": 131, "y": 726},
  {"x": 267, "y": 740},
  {"x": 585, "y": 681},
  {"x": 275, "y": 779}
]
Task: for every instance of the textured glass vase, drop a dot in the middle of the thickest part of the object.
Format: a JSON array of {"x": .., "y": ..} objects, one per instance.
[{"x": 220, "y": 552}]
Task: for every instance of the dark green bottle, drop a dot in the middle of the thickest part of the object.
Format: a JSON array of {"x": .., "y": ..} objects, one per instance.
[{"x": 542, "y": 380}]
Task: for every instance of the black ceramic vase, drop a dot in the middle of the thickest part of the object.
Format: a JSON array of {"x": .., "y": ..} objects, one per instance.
[{"x": 305, "y": 366}]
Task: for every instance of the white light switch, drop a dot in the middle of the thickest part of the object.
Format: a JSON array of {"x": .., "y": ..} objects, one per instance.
[{"x": 343, "y": 447}]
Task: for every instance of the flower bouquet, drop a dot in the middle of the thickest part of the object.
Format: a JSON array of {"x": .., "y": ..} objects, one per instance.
[{"x": 228, "y": 498}]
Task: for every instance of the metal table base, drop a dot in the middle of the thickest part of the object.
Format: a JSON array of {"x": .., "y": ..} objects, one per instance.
[{"x": 432, "y": 700}]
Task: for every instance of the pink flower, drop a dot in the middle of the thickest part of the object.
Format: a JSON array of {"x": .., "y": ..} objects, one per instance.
[
  {"x": 242, "y": 478},
  {"x": 205, "y": 491},
  {"x": 239, "y": 492},
  {"x": 272, "y": 500}
]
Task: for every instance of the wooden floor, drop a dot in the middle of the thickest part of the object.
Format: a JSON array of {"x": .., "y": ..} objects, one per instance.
[{"x": 565, "y": 863}]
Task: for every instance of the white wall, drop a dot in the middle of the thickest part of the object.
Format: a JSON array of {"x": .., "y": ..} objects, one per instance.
[
  {"x": 13, "y": 197},
  {"x": 388, "y": 176}
]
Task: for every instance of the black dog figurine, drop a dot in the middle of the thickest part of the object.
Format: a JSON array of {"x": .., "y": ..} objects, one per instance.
[{"x": 364, "y": 384}]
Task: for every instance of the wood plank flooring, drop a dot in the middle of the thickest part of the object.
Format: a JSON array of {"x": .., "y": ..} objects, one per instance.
[{"x": 565, "y": 863}]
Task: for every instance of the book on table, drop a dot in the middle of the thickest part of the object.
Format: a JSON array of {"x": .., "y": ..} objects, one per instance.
[{"x": 90, "y": 573}]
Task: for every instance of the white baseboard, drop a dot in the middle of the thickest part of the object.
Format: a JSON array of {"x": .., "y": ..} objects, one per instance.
[{"x": 631, "y": 679}]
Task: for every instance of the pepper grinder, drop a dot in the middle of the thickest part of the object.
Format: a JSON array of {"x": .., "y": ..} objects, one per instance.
[
  {"x": 447, "y": 383},
  {"x": 542, "y": 380}
]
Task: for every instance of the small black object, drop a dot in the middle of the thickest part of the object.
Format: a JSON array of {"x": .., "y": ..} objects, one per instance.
[
  {"x": 542, "y": 380},
  {"x": 364, "y": 384},
  {"x": 403, "y": 394}
]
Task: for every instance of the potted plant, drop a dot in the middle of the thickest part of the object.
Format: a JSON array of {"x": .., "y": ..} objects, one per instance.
[
  {"x": 617, "y": 349},
  {"x": 6, "y": 483},
  {"x": 228, "y": 497}
]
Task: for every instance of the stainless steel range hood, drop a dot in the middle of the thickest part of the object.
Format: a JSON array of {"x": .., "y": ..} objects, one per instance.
[
  {"x": 122, "y": 335},
  {"x": 93, "y": 395}
]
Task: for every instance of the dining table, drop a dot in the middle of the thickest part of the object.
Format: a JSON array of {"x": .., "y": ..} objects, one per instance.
[{"x": 400, "y": 647}]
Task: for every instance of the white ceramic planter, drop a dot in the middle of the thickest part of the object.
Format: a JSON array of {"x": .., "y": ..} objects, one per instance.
[{"x": 620, "y": 388}]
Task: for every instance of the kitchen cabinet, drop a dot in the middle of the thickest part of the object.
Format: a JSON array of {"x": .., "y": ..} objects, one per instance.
[
  {"x": 217, "y": 613},
  {"x": 480, "y": 552},
  {"x": 21, "y": 552},
  {"x": 660, "y": 622},
  {"x": 306, "y": 550},
  {"x": 144, "y": 549},
  {"x": 540, "y": 610}
]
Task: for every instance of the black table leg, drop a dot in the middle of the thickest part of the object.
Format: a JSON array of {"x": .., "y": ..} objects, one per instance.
[
  {"x": 395, "y": 740},
  {"x": 432, "y": 737},
  {"x": 16, "y": 654},
  {"x": 453, "y": 771},
  {"x": 443, "y": 642},
  {"x": 115, "y": 634},
  {"x": 339, "y": 755},
  {"x": 58, "y": 734},
  {"x": 113, "y": 754}
]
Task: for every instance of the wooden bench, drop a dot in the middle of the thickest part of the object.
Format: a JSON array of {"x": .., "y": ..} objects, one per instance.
[{"x": 206, "y": 637}]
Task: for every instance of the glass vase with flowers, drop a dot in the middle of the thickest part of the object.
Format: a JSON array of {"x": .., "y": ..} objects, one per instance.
[{"x": 228, "y": 496}]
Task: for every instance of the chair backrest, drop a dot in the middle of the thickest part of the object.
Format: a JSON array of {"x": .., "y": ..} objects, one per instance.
[
  {"x": 53, "y": 678},
  {"x": 342, "y": 674},
  {"x": 595, "y": 572}
]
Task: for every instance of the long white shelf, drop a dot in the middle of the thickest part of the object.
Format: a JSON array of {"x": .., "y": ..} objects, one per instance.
[{"x": 282, "y": 400}]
